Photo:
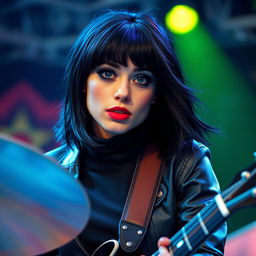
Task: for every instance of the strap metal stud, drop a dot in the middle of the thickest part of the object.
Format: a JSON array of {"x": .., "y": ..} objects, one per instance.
[
  {"x": 160, "y": 193},
  {"x": 124, "y": 227},
  {"x": 139, "y": 232},
  {"x": 129, "y": 244}
]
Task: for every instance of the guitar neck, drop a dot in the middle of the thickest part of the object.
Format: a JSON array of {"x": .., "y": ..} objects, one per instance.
[
  {"x": 201, "y": 226},
  {"x": 186, "y": 240}
]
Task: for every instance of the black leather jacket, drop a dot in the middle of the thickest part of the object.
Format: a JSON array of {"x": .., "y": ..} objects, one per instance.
[{"x": 188, "y": 184}]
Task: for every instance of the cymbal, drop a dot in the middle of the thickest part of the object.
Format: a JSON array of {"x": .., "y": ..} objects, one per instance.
[{"x": 41, "y": 206}]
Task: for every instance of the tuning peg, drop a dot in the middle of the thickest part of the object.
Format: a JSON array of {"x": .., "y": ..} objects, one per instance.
[{"x": 245, "y": 175}]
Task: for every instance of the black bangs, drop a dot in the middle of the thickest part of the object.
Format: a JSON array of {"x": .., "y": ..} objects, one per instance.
[{"x": 123, "y": 44}]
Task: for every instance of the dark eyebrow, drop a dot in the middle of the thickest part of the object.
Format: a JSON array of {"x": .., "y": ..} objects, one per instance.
[
  {"x": 117, "y": 65},
  {"x": 141, "y": 69},
  {"x": 113, "y": 64}
]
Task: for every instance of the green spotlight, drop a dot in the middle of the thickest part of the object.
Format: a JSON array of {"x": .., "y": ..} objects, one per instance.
[
  {"x": 254, "y": 5},
  {"x": 181, "y": 19}
]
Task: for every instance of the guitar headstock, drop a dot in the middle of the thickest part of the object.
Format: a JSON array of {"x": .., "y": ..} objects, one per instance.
[{"x": 242, "y": 192}]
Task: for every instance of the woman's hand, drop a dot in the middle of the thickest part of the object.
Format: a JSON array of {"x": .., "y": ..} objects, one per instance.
[{"x": 163, "y": 243}]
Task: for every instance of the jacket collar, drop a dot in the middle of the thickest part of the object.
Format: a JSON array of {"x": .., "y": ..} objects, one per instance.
[{"x": 69, "y": 160}]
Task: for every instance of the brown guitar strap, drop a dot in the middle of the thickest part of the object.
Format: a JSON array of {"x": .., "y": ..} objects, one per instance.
[{"x": 140, "y": 200}]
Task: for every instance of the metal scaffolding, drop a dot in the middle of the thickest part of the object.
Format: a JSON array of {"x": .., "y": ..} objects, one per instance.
[{"x": 44, "y": 30}]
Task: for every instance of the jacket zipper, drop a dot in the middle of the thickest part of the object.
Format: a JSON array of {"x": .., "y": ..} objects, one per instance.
[{"x": 81, "y": 246}]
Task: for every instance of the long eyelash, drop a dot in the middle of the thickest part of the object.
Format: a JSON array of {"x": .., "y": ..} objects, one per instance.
[
  {"x": 100, "y": 71},
  {"x": 148, "y": 78}
]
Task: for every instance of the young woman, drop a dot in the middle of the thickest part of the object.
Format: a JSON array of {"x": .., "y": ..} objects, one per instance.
[{"x": 125, "y": 92}]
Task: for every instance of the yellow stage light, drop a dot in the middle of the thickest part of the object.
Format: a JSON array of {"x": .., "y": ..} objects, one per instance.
[{"x": 181, "y": 19}]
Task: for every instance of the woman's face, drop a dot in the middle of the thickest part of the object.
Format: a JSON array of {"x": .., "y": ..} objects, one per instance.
[{"x": 119, "y": 97}]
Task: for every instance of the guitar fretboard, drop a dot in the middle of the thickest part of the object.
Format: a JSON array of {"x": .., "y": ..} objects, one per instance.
[{"x": 198, "y": 228}]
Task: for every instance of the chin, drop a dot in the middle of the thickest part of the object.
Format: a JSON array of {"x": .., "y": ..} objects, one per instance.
[{"x": 118, "y": 130}]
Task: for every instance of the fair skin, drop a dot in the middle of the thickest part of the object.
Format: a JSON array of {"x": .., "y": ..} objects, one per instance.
[
  {"x": 163, "y": 243},
  {"x": 119, "y": 97}
]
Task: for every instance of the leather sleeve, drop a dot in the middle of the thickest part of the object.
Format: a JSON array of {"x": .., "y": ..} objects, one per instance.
[{"x": 197, "y": 186}]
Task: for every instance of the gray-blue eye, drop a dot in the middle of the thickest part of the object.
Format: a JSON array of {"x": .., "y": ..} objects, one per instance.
[
  {"x": 143, "y": 80},
  {"x": 105, "y": 73}
]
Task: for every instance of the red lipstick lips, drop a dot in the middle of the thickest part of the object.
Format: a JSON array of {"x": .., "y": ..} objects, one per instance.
[{"x": 118, "y": 113}]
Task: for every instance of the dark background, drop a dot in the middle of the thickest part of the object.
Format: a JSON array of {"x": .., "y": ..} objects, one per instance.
[{"x": 35, "y": 37}]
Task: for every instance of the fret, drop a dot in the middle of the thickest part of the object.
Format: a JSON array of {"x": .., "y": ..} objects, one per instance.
[
  {"x": 186, "y": 239},
  {"x": 222, "y": 206},
  {"x": 204, "y": 228}
]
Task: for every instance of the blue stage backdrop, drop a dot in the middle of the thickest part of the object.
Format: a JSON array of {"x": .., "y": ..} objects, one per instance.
[{"x": 30, "y": 99}]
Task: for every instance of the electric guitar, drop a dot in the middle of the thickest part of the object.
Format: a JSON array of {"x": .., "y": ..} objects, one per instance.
[{"x": 240, "y": 194}]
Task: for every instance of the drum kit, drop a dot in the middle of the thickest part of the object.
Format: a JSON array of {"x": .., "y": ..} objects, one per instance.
[{"x": 42, "y": 207}]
